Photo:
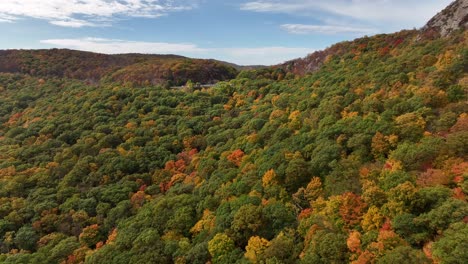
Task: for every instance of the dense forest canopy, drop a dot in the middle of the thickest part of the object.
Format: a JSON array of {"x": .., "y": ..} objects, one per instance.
[{"x": 364, "y": 160}]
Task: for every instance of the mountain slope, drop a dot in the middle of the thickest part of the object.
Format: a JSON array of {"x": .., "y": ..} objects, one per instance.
[
  {"x": 316, "y": 60},
  {"x": 452, "y": 18},
  {"x": 362, "y": 161}
]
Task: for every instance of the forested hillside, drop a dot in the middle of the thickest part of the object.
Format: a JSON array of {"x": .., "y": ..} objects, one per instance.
[
  {"x": 453, "y": 18},
  {"x": 135, "y": 69},
  {"x": 362, "y": 161}
]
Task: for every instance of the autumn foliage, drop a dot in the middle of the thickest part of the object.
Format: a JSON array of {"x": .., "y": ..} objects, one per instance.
[{"x": 362, "y": 160}]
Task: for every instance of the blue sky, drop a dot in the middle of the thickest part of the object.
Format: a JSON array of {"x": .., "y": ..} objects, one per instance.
[{"x": 241, "y": 31}]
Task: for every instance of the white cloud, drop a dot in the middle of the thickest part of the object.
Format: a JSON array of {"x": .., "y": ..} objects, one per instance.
[
  {"x": 74, "y": 23},
  {"x": 264, "y": 51},
  {"x": 3, "y": 20},
  {"x": 7, "y": 18},
  {"x": 242, "y": 56},
  {"x": 116, "y": 46},
  {"x": 79, "y": 13},
  {"x": 271, "y": 6},
  {"x": 389, "y": 13},
  {"x": 326, "y": 29},
  {"x": 262, "y": 55}
]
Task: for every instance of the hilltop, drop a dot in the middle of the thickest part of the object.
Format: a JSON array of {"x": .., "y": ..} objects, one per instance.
[{"x": 126, "y": 68}]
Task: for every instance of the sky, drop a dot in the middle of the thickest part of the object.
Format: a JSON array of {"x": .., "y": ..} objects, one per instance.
[{"x": 245, "y": 32}]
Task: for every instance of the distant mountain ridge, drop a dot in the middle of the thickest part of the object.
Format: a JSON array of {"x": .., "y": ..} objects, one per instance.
[
  {"x": 134, "y": 68},
  {"x": 68, "y": 63},
  {"x": 158, "y": 69}
]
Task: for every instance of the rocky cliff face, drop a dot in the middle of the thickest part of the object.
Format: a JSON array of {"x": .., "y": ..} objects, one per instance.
[
  {"x": 452, "y": 18},
  {"x": 311, "y": 63}
]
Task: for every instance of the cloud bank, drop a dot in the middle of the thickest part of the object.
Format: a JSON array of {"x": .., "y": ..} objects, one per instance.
[
  {"x": 80, "y": 13},
  {"x": 386, "y": 14},
  {"x": 326, "y": 29},
  {"x": 242, "y": 56},
  {"x": 116, "y": 46}
]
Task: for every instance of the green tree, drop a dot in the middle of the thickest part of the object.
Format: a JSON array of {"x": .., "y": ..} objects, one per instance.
[
  {"x": 451, "y": 247},
  {"x": 297, "y": 173},
  {"x": 403, "y": 254},
  {"x": 327, "y": 247},
  {"x": 247, "y": 221},
  {"x": 219, "y": 246},
  {"x": 26, "y": 238}
]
